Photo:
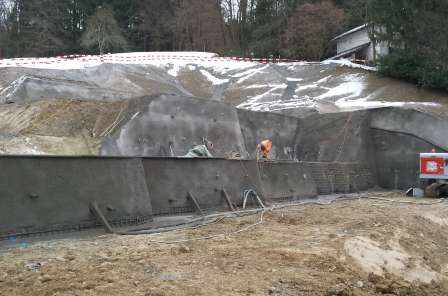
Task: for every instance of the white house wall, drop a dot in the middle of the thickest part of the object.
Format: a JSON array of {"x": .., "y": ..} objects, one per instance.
[
  {"x": 382, "y": 49},
  {"x": 353, "y": 40},
  {"x": 370, "y": 53}
]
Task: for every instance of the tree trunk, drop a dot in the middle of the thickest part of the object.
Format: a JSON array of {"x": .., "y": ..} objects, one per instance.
[{"x": 243, "y": 23}]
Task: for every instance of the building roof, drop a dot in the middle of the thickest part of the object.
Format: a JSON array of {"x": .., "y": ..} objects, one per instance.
[
  {"x": 350, "y": 32},
  {"x": 352, "y": 50}
]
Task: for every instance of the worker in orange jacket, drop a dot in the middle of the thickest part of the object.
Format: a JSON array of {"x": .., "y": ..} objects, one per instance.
[{"x": 265, "y": 147}]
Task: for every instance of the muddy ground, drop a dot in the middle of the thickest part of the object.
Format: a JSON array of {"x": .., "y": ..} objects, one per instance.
[{"x": 389, "y": 245}]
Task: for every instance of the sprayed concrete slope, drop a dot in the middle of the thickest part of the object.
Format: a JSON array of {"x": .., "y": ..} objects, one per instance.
[
  {"x": 345, "y": 127},
  {"x": 284, "y": 87},
  {"x": 322, "y": 154}
]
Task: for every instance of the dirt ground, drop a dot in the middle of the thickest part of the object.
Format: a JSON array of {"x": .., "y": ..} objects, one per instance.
[{"x": 357, "y": 247}]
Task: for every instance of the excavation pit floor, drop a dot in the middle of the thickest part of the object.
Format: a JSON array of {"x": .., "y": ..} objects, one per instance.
[{"x": 382, "y": 244}]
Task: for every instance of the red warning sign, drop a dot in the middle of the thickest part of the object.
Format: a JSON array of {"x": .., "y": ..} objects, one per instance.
[{"x": 432, "y": 165}]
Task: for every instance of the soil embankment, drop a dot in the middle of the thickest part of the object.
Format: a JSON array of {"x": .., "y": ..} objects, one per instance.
[{"x": 362, "y": 247}]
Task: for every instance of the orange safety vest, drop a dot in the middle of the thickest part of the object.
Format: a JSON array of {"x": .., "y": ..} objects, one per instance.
[{"x": 265, "y": 147}]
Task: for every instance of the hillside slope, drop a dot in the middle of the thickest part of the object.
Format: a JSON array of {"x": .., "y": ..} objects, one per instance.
[{"x": 71, "y": 105}]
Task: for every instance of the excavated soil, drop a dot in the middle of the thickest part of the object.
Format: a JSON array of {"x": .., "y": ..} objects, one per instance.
[
  {"x": 386, "y": 245},
  {"x": 59, "y": 127}
]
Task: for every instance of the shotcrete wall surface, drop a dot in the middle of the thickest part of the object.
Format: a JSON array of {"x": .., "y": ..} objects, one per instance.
[
  {"x": 336, "y": 137},
  {"x": 421, "y": 125},
  {"x": 32, "y": 88},
  {"x": 170, "y": 180},
  {"x": 333, "y": 177},
  {"x": 169, "y": 126},
  {"x": 397, "y": 159},
  {"x": 287, "y": 180},
  {"x": 105, "y": 82},
  {"x": 281, "y": 129},
  {"x": 54, "y": 193},
  {"x": 44, "y": 194},
  {"x": 398, "y": 137}
]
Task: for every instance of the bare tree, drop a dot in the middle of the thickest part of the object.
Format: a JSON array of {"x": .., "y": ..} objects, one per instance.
[
  {"x": 3, "y": 25},
  {"x": 3, "y": 13},
  {"x": 199, "y": 26},
  {"x": 310, "y": 29},
  {"x": 237, "y": 15},
  {"x": 103, "y": 32},
  {"x": 230, "y": 9}
]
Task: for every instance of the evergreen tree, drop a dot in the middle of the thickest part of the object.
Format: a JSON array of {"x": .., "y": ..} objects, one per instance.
[
  {"x": 155, "y": 25},
  {"x": 355, "y": 11},
  {"x": 264, "y": 27},
  {"x": 44, "y": 31},
  {"x": 102, "y": 32},
  {"x": 267, "y": 29},
  {"x": 416, "y": 33},
  {"x": 79, "y": 11},
  {"x": 126, "y": 12}
]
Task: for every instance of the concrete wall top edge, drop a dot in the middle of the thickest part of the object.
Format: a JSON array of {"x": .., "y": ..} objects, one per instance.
[
  {"x": 174, "y": 96},
  {"x": 161, "y": 158},
  {"x": 408, "y": 121},
  {"x": 66, "y": 156},
  {"x": 116, "y": 157},
  {"x": 268, "y": 113}
]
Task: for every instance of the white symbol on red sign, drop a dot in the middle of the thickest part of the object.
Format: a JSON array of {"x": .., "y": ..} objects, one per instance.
[{"x": 432, "y": 167}]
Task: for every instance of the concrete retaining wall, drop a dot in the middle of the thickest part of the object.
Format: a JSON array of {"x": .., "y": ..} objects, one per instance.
[
  {"x": 287, "y": 181},
  {"x": 341, "y": 177},
  {"x": 44, "y": 194},
  {"x": 169, "y": 181},
  {"x": 48, "y": 193}
]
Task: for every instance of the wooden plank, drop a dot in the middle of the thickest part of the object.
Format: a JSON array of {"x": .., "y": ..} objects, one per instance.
[
  {"x": 96, "y": 210},
  {"x": 229, "y": 202},
  {"x": 195, "y": 203}
]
